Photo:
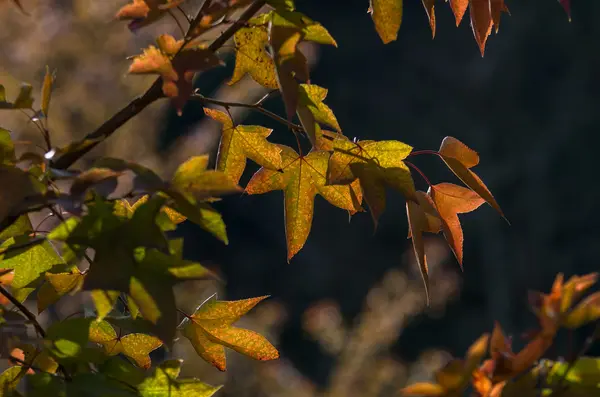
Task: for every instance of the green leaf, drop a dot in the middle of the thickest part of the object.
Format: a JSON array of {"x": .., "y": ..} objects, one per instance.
[
  {"x": 67, "y": 341},
  {"x": 7, "y": 148},
  {"x": 9, "y": 380},
  {"x": 203, "y": 215},
  {"x": 30, "y": 263},
  {"x": 194, "y": 181},
  {"x": 164, "y": 383}
]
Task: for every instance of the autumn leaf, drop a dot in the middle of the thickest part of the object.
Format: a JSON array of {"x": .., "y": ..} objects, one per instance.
[
  {"x": 451, "y": 200},
  {"x": 376, "y": 165},
  {"x": 251, "y": 57},
  {"x": 498, "y": 7},
  {"x": 460, "y": 159},
  {"x": 164, "y": 383},
  {"x": 32, "y": 356},
  {"x": 303, "y": 177},
  {"x": 430, "y": 10},
  {"x": 144, "y": 12},
  {"x": 210, "y": 330},
  {"x": 135, "y": 346},
  {"x": 387, "y": 15},
  {"x": 176, "y": 71},
  {"x": 10, "y": 378},
  {"x": 197, "y": 183},
  {"x": 124, "y": 209},
  {"x": 213, "y": 12},
  {"x": 286, "y": 30},
  {"x": 104, "y": 301},
  {"x": 47, "y": 90},
  {"x": 103, "y": 180},
  {"x": 453, "y": 378},
  {"x": 241, "y": 142},
  {"x": 422, "y": 217},
  {"x": 311, "y": 109},
  {"x": 56, "y": 286}
]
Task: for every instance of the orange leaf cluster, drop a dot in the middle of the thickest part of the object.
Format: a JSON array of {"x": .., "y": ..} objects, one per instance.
[
  {"x": 175, "y": 66},
  {"x": 562, "y": 307}
]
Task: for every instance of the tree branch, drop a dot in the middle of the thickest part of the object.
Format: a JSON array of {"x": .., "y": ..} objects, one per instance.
[
  {"x": 30, "y": 316},
  {"x": 154, "y": 93}
]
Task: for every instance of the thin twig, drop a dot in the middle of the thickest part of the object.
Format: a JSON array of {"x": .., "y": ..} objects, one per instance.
[
  {"x": 252, "y": 106},
  {"x": 181, "y": 29},
  {"x": 185, "y": 15},
  {"x": 30, "y": 316},
  {"x": 154, "y": 93}
]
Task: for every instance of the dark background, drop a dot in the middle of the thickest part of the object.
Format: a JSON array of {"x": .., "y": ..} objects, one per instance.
[{"x": 530, "y": 108}]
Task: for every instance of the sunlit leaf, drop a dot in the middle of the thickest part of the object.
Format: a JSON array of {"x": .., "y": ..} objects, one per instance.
[
  {"x": 303, "y": 177},
  {"x": 376, "y": 165},
  {"x": 135, "y": 346},
  {"x": 24, "y": 100},
  {"x": 194, "y": 180},
  {"x": 47, "y": 90},
  {"x": 251, "y": 57},
  {"x": 56, "y": 286},
  {"x": 451, "y": 200},
  {"x": 164, "y": 383},
  {"x": 210, "y": 330},
  {"x": 387, "y": 15},
  {"x": 144, "y": 12},
  {"x": 104, "y": 301},
  {"x": 312, "y": 110},
  {"x": 241, "y": 142}
]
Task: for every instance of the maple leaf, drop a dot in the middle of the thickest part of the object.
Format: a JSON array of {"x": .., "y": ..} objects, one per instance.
[
  {"x": 422, "y": 217},
  {"x": 130, "y": 257},
  {"x": 460, "y": 159},
  {"x": 164, "y": 383},
  {"x": 453, "y": 378},
  {"x": 303, "y": 177},
  {"x": 144, "y": 12},
  {"x": 56, "y": 286},
  {"x": 556, "y": 309},
  {"x": 34, "y": 357},
  {"x": 124, "y": 209},
  {"x": 176, "y": 70},
  {"x": 135, "y": 346},
  {"x": 311, "y": 109},
  {"x": 286, "y": 30},
  {"x": 387, "y": 16},
  {"x": 451, "y": 200},
  {"x": 376, "y": 164},
  {"x": 251, "y": 57},
  {"x": 210, "y": 330},
  {"x": 241, "y": 142}
]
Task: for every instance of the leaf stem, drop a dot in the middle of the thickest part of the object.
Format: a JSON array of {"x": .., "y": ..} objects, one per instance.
[
  {"x": 414, "y": 167},
  {"x": 420, "y": 152}
]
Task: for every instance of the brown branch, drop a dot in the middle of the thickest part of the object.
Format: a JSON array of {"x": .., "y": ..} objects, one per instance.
[
  {"x": 30, "y": 316},
  {"x": 154, "y": 93}
]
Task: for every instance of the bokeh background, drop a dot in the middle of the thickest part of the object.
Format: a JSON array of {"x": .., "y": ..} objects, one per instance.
[{"x": 348, "y": 313}]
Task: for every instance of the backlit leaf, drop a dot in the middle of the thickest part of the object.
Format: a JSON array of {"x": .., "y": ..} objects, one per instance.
[
  {"x": 430, "y": 10},
  {"x": 451, "y": 200},
  {"x": 376, "y": 165},
  {"x": 104, "y": 301},
  {"x": 251, "y": 57},
  {"x": 56, "y": 286},
  {"x": 144, "y": 12},
  {"x": 241, "y": 142},
  {"x": 35, "y": 357},
  {"x": 417, "y": 223},
  {"x": 164, "y": 383},
  {"x": 460, "y": 158},
  {"x": 423, "y": 389},
  {"x": 193, "y": 179},
  {"x": 303, "y": 177},
  {"x": 9, "y": 380},
  {"x": 177, "y": 73},
  {"x": 210, "y": 330},
  {"x": 135, "y": 346},
  {"x": 47, "y": 90},
  {"x": 387, "y": 15},
  {"x": 311, "y": 110},
  {"x": 24, "y": 100}
]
